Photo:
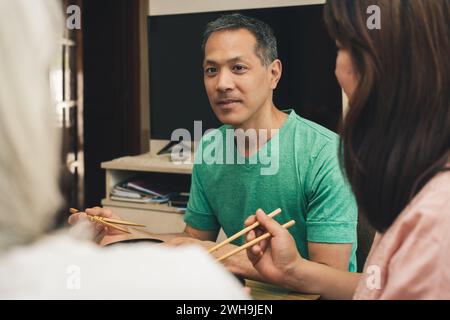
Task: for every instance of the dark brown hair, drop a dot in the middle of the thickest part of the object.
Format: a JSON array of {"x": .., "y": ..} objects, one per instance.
[
  {"x": 396, "y": 135},
  {"x": 266, "y": 43}
]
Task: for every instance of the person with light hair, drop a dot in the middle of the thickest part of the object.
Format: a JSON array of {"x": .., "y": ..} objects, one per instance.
[{"x": 35, "y": 264}]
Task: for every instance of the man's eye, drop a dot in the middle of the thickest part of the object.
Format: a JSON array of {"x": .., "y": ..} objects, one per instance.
[
  {"x": 210, "y": 71},
  {"x": 239, "y": 68}
]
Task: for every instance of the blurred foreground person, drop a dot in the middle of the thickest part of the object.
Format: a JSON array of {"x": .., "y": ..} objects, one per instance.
[{"x": 36, "y": 265}]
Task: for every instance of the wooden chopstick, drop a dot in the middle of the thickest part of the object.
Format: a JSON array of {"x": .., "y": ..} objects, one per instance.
[
  {"x": 242, "y": 232},
  {"x": 253, "y": 242},
  {"x": 127, "y": 223},
  {"x": 115, "y": 221},
  {"x": 110, "y": 225},
  {"x": 109, "y": 222}
]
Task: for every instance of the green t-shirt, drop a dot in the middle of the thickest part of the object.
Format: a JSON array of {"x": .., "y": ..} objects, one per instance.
[{"x": 303, "y": 179}]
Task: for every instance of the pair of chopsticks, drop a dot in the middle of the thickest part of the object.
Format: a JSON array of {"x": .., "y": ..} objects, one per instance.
[
  {"x": 110, "y": 222},
  {"x": 251, "y": 243}
]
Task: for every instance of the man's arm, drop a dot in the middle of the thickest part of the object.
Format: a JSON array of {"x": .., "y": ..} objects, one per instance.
[
  {"x": 331, "y": 219},
  {"x": 330, "y": 254},
  {"x": 189, "y": 235},
  {"x": 238, "y": 264},
  {"x": 336, "y": 255},
  {"x": 208, "y": 235}
]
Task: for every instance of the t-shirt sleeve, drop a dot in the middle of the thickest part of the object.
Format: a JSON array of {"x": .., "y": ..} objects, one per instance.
[
  {"x": 332, "y": 211},
  {"x": 199, "y": 213}
]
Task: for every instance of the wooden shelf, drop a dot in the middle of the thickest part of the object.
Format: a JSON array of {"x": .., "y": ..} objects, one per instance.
[
  {"x": 148, "y": 163},
  {"x": 142, "y": 206}
]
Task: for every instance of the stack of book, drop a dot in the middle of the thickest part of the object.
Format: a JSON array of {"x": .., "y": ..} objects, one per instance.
[
  {"x": 179, "y": 200},
  {"x": 144, "y": 191},
  {"x": 139, "y": 191}
]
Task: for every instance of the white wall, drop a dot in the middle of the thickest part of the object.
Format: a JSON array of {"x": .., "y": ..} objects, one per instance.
[{"x": 164, "y": 7}]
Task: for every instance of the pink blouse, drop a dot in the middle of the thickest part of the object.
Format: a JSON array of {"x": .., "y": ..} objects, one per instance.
[{"x": 411, "y": 260}]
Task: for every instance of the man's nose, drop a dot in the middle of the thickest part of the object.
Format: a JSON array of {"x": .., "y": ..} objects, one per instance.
[{"x": 225, "y": 81}]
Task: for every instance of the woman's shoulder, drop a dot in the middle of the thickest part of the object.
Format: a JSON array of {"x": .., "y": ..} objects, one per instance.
[
  {"x": 432, "y": 203},
  {"x": 411, "y": 255}
]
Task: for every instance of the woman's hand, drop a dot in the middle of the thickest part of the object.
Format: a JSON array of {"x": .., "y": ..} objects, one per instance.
[
  {"x": 102, "y": 232},
  {"x": 277, "y": 257}
]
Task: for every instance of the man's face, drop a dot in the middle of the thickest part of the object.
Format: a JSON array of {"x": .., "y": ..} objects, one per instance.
[{"x": 237, "y": 83}]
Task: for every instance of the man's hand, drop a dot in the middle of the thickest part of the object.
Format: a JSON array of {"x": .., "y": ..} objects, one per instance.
[
  {"x": 276, "y": 257},
  {"x": 104, "y": 234}
]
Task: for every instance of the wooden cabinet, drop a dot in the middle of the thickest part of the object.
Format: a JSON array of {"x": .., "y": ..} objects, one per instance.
[{"x": 159, "y": 218}]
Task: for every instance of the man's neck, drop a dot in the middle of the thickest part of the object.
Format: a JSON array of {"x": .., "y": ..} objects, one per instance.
[{"x": 268, "y": 118}]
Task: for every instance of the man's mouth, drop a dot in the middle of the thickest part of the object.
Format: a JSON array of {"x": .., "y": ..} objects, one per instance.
[{"x": 227, "y": 103}]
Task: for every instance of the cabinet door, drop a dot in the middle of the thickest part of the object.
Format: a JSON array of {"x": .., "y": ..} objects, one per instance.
[{"x": 156, "y": 221}]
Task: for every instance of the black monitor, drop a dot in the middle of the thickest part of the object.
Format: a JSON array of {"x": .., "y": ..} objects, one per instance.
[{"x": 177, "y": 94}]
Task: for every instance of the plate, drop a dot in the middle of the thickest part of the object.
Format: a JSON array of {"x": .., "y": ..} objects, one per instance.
[{"x": 141, "y": 240}]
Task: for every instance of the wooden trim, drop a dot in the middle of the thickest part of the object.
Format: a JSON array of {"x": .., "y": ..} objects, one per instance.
[
  {"x": 66, "y": 104},
  {"x": 144, "y": 77},
  {"x": 68, "y": 42}
]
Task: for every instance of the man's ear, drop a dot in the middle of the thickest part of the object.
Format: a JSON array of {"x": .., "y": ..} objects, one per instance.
[{"x": 275, "y": 69}]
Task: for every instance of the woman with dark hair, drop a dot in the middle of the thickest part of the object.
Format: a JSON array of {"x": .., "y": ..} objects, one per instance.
[{"x": 395, "y": 151}]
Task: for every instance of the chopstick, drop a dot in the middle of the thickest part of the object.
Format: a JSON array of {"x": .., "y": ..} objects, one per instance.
[
  {"x": 110, "y": 225},
  {"x": 110, "y": 222},
  {"x": 242, "y": 232},
  {"x": 253, "y": 242}
]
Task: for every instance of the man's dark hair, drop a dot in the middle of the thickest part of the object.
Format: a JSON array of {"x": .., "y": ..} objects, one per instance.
[{"x": 266, "y": 43}]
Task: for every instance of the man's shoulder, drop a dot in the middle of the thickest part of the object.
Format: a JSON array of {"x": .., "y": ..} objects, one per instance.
[
  {"x": 312, "y": 138},
  {"x": 312, "y": 129}
]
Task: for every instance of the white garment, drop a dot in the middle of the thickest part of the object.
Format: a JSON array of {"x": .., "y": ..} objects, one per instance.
[{"x": 62, "y": 267}]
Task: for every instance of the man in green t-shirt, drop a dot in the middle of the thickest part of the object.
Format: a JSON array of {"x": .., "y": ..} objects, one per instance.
[
  {"x": 306, "y": 184},
  {"x": 292, "y": 163},
  {"x": 303, "y": 178}
]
